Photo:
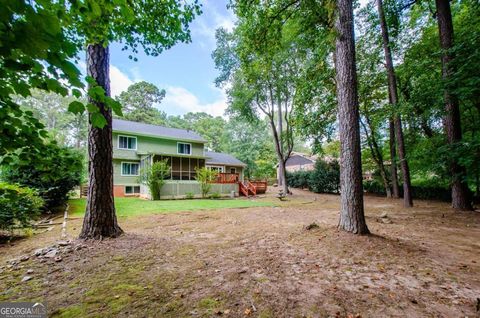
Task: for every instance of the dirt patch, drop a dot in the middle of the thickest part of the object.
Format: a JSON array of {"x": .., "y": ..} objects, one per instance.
[{"x": 261, "y": 262}]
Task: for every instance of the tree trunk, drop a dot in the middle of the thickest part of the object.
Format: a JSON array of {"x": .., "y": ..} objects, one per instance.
[
  {"x": 393, "y": 97},
  {"x": 352, "y": 217},
  {"x": 282, "y": 173},
  {"x": 100, "y": 220},
  {"x": 376, "y": 153},
  {"x": 393, "y": 163},
  {"x": 451, "y": 122},
  {"x": 282, "y": 179}
]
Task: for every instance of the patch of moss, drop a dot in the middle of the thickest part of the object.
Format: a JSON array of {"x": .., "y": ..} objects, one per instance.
[
  {"x": 266, "y": 313},
  {"x": 70, "y": 311},
  {"x": 208, "y": 303}
]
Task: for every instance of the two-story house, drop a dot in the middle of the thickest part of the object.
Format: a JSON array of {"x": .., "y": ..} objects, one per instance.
[{"x": 137, "y": 145}]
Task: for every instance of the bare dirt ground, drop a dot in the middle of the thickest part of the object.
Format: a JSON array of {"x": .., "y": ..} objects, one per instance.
[{"x": 260, "y": 262}]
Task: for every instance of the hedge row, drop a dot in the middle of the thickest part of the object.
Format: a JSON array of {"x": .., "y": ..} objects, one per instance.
[
  {"x": 325, "y": 178},
  {"x": 418, "y": 192}
]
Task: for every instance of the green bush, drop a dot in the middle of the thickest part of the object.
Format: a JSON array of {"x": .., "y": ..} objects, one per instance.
[
  {"x": 189, "y": 195},
  {"x": 325, "y": 178},
  {"x": 205, "y": 176},
  {"x": 422, "y": 192},
  {"x": 18, "y": 206},
  {"x": 154, "y": 177},
  {"x": 215, "y": 195},
  {"x": 53, "y": 171}
]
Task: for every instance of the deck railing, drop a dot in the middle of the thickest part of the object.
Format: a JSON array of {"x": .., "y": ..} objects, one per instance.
[{"x": 224, "y": 177}]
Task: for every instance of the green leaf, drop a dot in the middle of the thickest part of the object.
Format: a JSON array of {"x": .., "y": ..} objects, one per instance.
[
  {"x": 92, "y": 108},
  {"x": 76, "y": 107},
  {"x": 98, "y": 120}
]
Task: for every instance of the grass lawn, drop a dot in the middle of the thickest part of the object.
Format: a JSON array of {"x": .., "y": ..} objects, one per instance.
[{"x": 135, "y": 206}]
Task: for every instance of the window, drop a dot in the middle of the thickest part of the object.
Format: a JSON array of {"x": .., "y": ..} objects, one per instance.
[
  {"x": 216, "y": 168},
  {"x": 233, "y": 170},
  {"x": 125, "y": 142},
  {"x": 132, "y": 189},
  {"x": 184, "y": 149},
  {"x": 130, "y": 169}
]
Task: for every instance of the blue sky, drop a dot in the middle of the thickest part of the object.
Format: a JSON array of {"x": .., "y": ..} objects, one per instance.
[{"x": 186, "y": 71}]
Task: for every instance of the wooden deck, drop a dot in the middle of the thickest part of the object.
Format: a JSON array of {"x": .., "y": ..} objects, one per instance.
[{"x": 223, "y": 177}]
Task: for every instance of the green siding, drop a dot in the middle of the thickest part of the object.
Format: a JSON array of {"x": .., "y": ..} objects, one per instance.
[
  {"x": 118, "y": 179},
  {"x": 151, "y": 145}
]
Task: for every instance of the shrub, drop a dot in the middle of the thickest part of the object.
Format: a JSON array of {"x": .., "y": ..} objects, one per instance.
[
  {"x": 215, "y": 195},
  {"x": 53, "y": 171},
  {"x": 418, "y": 192},
  {"x": 18, "y": 206},
  {"x": 205, "y": 176},
  {"x": 325, "y": 178},
  {"x": 373, "y": 186},
  {"x": 154, "y": 177},
  {"x": 189, "y": 195}
]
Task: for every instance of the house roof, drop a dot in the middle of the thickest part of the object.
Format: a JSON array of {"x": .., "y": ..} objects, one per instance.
[
  {"x": 125, "y": 126},
  {"x": 217, "y": 158},
  {"x": 297, "y": 160}
]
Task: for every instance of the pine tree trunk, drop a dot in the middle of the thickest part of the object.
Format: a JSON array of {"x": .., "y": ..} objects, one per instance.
[
  {"x": 452, "y": 121},
  {"x": 352, "y": 217},
  {"x": 393, "y": 159},
  {"x": 393, "y": 97},
  {"x": 100, "y": 219}
]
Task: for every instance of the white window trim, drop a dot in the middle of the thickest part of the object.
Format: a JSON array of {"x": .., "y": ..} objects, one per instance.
[
  {"x": 222, "y": 168},
  {"x": 118, "y": 142},
  {"x": 129, "y": 175},
  {"x": 184, "y": 143}
]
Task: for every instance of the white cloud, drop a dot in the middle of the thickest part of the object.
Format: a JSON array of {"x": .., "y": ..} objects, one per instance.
[
  {"x": 180, "y": 100},
  {"x": 119, "y": 81},
  {"x": 204, "y": 26}
]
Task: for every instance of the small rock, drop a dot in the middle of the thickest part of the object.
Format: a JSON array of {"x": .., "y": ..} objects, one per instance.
[
  {"x": 384, "y": 215},
  {"x": 63, "y": 243},
  {"x": 243, "y": 270},
  {"x": 24, "y": 258},
  {"x": 52, "y": 253},
  {"x": 29, "y": 271},
  {"x": 26, "y": 278},
  {"x": 38, "y": 252},
  {"x": 58, "y": 259}
]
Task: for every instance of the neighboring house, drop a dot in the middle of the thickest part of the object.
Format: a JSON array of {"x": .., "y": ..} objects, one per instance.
[
  {"x": 137, "y": 145},
  {"x": 300, "y": 162}
]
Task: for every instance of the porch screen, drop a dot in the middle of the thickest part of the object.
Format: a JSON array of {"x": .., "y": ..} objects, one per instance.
[{"x": 182, "y": 168}]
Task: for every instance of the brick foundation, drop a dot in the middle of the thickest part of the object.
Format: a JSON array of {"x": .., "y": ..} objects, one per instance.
[{"x": 119, "y": 191}]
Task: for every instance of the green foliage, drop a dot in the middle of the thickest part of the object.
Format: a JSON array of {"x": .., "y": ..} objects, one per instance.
[
  {"x": 37, "y": 52},
  {"x": 205, "y": 176},
  {"x": 189, "y": 195},
  {"x": 215, "y": 195},
  {"x": 18, "y": 206},
  {"x": 325, "y": 178},
  {"x": 264, "y": 169},
  {"x": 51, "y": 110},
  {"x": 52, "y": 170},
  {"x": 419, "y": 192},
  {"x": 154, "y": 177},
  {"x": 139, "y": 101}
]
